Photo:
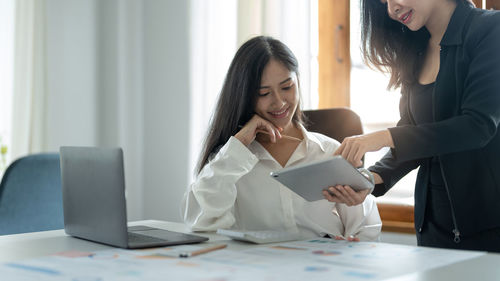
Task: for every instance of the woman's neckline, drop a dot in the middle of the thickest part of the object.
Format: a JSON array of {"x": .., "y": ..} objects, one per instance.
[{"x": 426, "y": 84}]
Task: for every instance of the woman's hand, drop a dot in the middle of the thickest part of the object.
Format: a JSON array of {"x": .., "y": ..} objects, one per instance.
[
  {"x": 345, "y": 194},
  {"x": 248, "y": 133},
  {"x": 354, "y": 148}
]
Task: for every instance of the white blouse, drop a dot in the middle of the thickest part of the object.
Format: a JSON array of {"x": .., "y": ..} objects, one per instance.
[{"x": 234, "y": 190}]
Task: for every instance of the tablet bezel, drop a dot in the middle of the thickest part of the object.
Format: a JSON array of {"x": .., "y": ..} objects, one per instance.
[{"x": 309, "y": 179}]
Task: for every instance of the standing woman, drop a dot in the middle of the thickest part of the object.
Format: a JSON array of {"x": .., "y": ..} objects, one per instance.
[{"x": 445, "y": 56}]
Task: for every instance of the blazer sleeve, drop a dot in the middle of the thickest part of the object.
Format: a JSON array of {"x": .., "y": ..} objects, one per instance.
[
  {"x": 479, "y": 113},
  {"x": 391, "y": 171},
  {"x": 209, "y": 202}
]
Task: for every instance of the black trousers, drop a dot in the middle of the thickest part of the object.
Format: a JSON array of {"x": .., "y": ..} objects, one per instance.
[{"x": 438, "y": 226}]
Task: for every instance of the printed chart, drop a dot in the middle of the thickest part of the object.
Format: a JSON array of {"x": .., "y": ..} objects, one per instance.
[{"x": 313, "y": 259}]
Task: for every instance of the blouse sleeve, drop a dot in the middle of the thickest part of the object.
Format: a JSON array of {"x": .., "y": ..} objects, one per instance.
[
  {"x": 362, "y": 221},
  {"x": 208, "y": 204}
]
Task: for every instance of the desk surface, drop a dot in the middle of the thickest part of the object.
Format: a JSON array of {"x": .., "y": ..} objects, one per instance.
[{"x": 32, "y": 245}]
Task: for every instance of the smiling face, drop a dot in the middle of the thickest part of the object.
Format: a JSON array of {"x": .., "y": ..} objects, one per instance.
[
  {"x": 278, "y": 95},
  {"x": 413, "y": 13}
]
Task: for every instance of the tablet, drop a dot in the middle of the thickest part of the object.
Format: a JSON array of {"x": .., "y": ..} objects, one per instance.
[{"x": 309, "y": 179}]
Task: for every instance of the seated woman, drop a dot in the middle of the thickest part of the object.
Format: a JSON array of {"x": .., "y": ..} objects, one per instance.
[{"x": 257, "y": 128}]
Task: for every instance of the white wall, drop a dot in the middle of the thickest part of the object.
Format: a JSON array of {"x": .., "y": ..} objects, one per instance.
[
  {"x": 121, "y": 90},
  {"x": 166, "y": 107},
  {"x": 71, "y": 77},
  {"x": 118, "y": 75}
]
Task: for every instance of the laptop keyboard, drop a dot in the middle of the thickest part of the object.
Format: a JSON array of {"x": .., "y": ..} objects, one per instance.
[{"x": 135, "y": 238}]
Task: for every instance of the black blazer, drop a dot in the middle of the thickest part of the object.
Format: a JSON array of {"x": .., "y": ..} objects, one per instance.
[{"x": 464, "y": 135}]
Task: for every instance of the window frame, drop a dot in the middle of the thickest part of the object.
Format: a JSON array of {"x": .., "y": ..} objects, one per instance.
[
  {"x": 395, "y": 217},
  {"x": 335, "y": 92}
]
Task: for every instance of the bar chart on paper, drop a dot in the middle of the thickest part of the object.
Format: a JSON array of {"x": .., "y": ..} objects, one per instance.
[{"x": 313, "y": 259}]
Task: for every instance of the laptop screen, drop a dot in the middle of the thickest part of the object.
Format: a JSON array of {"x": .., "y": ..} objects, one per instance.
[{"x": 93, "y": 189}]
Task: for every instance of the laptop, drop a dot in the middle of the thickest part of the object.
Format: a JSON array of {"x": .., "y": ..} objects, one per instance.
[{"x": 93, "y": 189}]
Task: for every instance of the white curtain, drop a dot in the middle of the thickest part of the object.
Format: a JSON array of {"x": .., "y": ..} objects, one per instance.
[
  {"x": 6, "y": 77},
  {"x": 219, "y": 27},
  {"x": 295, "y": 23},
  {"x": 213, "y": 44},
  {"x": 29, "y": 100},
  {"x": 78, "y": 81}
]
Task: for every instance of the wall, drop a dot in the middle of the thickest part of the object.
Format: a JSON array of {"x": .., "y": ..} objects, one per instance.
[
  {"x": 120, "y": 94},
  {"x": 166, "y": 107},
  {"x": 118, "y": 75},
  {"x": 71, "y": 77}
]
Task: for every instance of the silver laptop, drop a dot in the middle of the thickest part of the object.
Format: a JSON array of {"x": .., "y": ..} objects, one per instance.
[{"x": 93, "y": 189}]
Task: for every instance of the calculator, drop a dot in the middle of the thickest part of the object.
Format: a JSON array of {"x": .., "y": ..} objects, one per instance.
[{"x": 261, "y": 236}]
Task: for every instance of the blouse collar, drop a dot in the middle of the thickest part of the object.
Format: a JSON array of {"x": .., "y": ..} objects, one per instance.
[{"x": 308, "y": 141}]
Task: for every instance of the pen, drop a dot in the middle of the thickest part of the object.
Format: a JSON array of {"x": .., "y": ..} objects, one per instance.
[
  {"x": 267, "y": 133},
  {"x": 283, "y": 136},
  {"x": 202, "y": 251}
]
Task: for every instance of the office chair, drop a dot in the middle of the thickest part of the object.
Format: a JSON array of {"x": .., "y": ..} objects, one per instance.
[
  {"x": 336, "y": 123},
  {"x": 30, "y": 195}
]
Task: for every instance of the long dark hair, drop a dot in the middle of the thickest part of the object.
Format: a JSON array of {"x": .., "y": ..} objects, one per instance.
[
  {"x": 390, "y": 46},
  {"x": 238, "y": 97}
]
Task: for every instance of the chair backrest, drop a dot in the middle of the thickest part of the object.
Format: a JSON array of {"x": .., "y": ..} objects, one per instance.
[
  {"x": 336, "y": 123},
  {"x": 31, "y": 196}
]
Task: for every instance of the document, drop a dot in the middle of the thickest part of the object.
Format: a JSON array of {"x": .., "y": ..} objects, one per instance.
[{"x": 312, "y": 259}]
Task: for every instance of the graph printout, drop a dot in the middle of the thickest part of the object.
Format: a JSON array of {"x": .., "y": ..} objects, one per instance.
[{"x": 313, "y": 259}]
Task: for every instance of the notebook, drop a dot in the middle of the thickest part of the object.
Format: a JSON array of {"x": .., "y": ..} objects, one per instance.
[{"x": 93, "y": 189}]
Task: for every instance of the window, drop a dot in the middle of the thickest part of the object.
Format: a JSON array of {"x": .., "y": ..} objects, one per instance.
[
  {"x": 487, "y": 4},
  {"x": 365, "y": 89},
  {"x": 6, "y": 76},
  {"x": 377, "y": 107}
]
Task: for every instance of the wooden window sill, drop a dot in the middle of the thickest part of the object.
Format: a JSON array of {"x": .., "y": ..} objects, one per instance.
[{"x": 396, "y": 217}]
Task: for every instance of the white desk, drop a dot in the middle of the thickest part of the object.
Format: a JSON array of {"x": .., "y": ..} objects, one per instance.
[
  {"x": 37, "y": 244},
  {"x": 31, "y": 245}
]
